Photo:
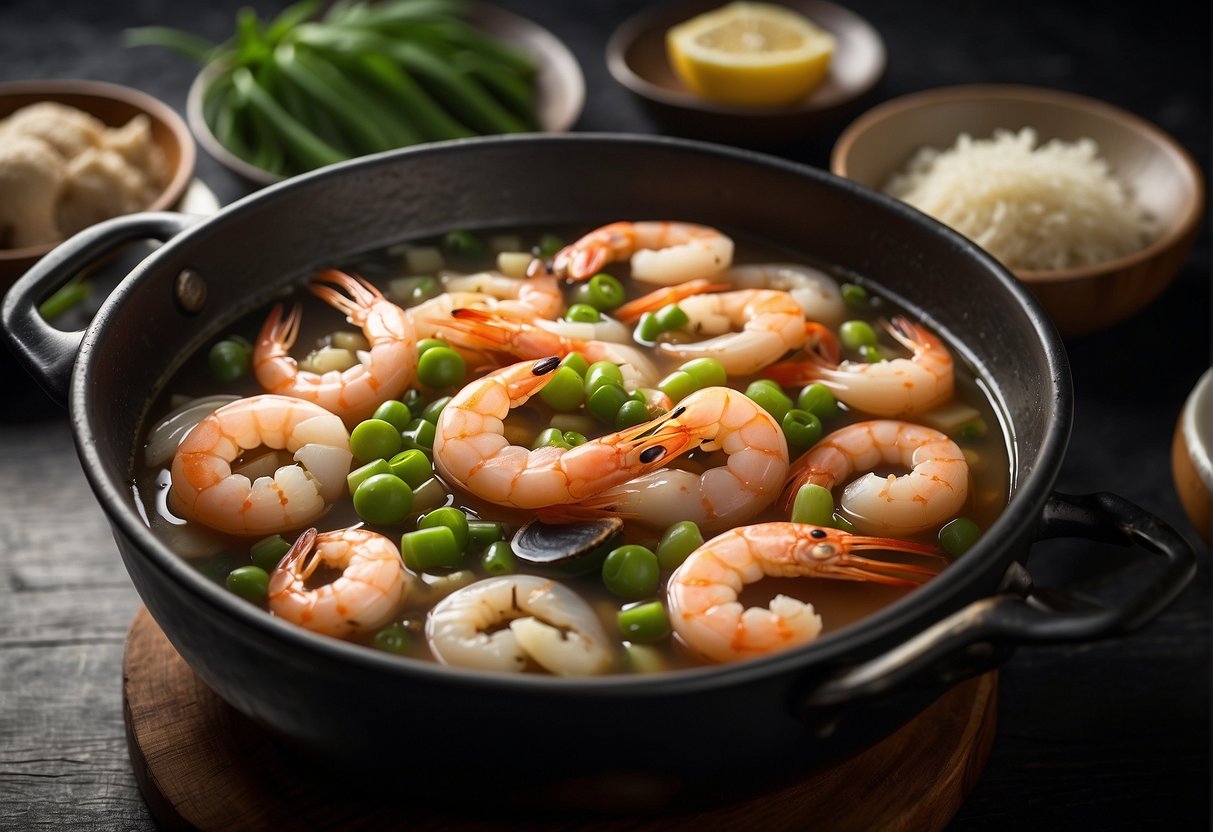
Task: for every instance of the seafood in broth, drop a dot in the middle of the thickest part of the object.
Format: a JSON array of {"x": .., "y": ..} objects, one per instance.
[{"x": 635, "y": 448}]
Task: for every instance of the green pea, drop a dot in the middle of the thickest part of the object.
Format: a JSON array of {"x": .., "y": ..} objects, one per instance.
[
  {"x": 576, "y": 361},
  {"x": 499, "y": 559},
  {"x": 429, "y": 344},
  {"x": 413, "y": 399},
  {"x": 671, "y": 316},
  {"x": 600, "y": 373},
  {"x": 429, "y": 548},
  {"x": 549, "y": 244},
  {"x": 360, "y": 475},
  {"x": 412, "y": 466},
  {"x": 565, "y": 390},
  {"x": 768, "y": 395},
  {"x": 374, "y": 439},
  {"x": 419, "y": 434},
  {"x": 631, "y": 571},
  {"x": 453, "y": 519},
  {"x": 631, "y": 413},
  {"x": 646, "y": 621},
  {"x": 705, "y": 372},
  {"x": 856, "y": 334},
  {"x": 483, "y": 532},
  {"x": 393, "y": 638},
  {"x": 552, "y": 437},
  {"x": 818, "y": 400},
  {"x": 854, "y": 295},
  {"x": 434, "y": 409},
  {"x": 383, "y": 499},
  {"x": 605, "y": 402},
  {"x": 679, "y": 540},
  {"x": 249, "y": 582},
  {"x": 647, "y": 328},
  {"x": 582, "y": 313},
  {"x": 843, "y": 524},
  {"x": 872, "y": 353},
  {"x": 461, "y": 242},
  {"x": 268, "y": 551},
  {"x": 677, "y": 385},
  {"x": 814, "y": 504},
  {"x": 422, "y": 289},
  {"x": 228, "y": 360},
  {"x": 441, "y": 367},
  {"x": 573, "y": 438},
  {"x": 801, "y": 428},
  {"x": 974, "y": 429},
  {"x": 605, "y": 292},
  {"x": 958, "y": 537},
  {"x": 395, "y": 413}
]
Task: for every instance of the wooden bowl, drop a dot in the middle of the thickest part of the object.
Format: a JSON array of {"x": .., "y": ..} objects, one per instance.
[
  {"x": 1160, "y": 173},
  {"x": 560, "y": 86},
  {"x": 1192, "y": 456},
  {"x": 636, "y": 58},
  {"x": 114, "y": 105}
]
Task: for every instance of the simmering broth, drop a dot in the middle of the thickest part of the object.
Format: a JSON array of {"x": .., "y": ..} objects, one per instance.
[{"x": 408, "y": 273}]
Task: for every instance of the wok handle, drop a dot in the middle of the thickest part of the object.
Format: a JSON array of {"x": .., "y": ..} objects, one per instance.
[
  {"x": 48, "y": 353},
  {"x": 982, "y": 635}
]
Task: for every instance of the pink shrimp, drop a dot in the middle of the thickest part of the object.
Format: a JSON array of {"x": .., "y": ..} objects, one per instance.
[
  {"x": 355, "y": 393},
  {"x": 660, "y": 252}
]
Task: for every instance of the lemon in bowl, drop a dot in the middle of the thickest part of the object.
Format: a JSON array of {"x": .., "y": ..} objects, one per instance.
[{"x": 750, "y": 54}]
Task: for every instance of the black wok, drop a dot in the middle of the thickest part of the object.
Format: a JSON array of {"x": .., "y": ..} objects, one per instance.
[{"x": 733, "y": 724}]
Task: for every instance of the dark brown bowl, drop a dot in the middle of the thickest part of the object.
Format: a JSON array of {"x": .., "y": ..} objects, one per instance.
[
  {"x": 114, "y": 105},
  {"x": 1159, "y": 172},
  {"x": 636, "y": 58}
]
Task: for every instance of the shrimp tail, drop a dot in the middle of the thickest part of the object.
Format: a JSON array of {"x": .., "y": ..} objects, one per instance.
[
  {"x": 631, "y": 311},
  {"x": 360, "y": 294},
  {"x": 281, "y": 330}
]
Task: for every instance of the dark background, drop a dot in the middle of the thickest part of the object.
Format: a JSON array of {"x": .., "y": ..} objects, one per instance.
[{"x": 1111, "y": 735}]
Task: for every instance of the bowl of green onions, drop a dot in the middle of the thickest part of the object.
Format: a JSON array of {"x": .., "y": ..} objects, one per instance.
[{"x": 309, "y": 88}]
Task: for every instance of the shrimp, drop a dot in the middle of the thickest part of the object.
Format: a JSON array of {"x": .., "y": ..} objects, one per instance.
[
  {"x": 718, "y": 417},
  {"x": 522, "y": 338},
  {"x": 896, "y": 388},
  {"x": 353, "y": 395},
  {"x": 702, "y": 593},
  {"x": 934, "y": 490},
  {"x": 500, "y": 623},
  {"x": 538, "y": 296},
  {"x": 815, "y": 291},
  {"x": 205, "y": 489},
  {"x": 771, "y": 325},
  {"x": 660, "y": 252},
  {"x": 471, "y": 451},
  {"x": 370, "y": 588}
]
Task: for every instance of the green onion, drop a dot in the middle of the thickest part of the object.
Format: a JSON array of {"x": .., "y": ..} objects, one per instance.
[
  {"x": 671, "y": 316},
  {"x": 582, "y": 313},
  {"x": 361, "y": 474},
  {"x": 483, "y": 532},
  {"x": 499, "y": 559},
  {"x": 430, "y": 548},
  {"x": 645, "y": 621},
  {"x": 602, "y": 291},
  {"x": 705, "y": 372},
  {"x": 801, "y": 428},
  {"x": 814, "y": 504},
  {"x": 419, "y": 434},
  {"x": 269, "y": 551},
  {"x": 677, "y": 385},
  {"x": 576, "y": 361},
  {"x": 453, "y": 519},
  {"x": 647, "y": 328},
  {"x": 412, "y": 466}
]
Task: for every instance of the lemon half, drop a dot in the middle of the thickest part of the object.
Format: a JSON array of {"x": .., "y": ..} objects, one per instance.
[{"x": 751, "y": 54}]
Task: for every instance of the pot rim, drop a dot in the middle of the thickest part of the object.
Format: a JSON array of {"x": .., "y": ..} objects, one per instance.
[{"x": 831, "y": 651}]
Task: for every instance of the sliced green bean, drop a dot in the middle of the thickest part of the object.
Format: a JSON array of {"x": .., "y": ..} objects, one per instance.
[{"x": 293, "y": 132}]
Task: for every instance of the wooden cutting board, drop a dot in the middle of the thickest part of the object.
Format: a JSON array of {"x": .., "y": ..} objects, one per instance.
[{"x": 202, "y": 765}]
